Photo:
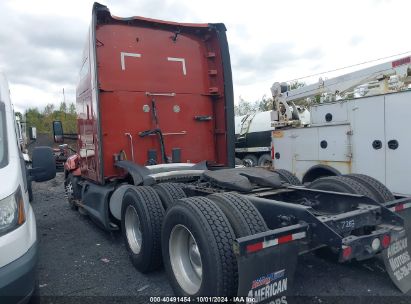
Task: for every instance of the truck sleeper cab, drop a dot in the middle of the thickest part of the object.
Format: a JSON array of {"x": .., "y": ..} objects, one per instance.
[{"x": 153, "y": 92}]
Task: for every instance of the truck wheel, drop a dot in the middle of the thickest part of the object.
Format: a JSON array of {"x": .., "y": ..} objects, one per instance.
[
  {"x": 241, "y": 213},
  {"x": 250, "y": 160},
  {"x": 197, "y": 241},
  {"x": 341, "y": 184},
  {"x": 238, "y": 162},
  {"x": 72, "y": 190},
  {"x": 141, "y": 218},
  {"x": 265, "y": 160},
  {"x": 380, "y": 191},
  {"x": 288, "y": 177},
  {"x": 169, "y": 192}
]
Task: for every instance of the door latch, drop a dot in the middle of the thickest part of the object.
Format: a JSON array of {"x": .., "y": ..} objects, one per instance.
[{"x": 203, "y": 118}]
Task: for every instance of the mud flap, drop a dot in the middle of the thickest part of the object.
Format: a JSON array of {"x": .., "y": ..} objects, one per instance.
[
  {"x": 397, "y": 258},
  {"x": 266, "y": 275}
]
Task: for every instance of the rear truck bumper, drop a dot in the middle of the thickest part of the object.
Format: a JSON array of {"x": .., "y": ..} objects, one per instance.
[
  {"x": 267, "y": 261},
  {"x": 17, "y": 279},
  {"x": 367, "y": 246}
]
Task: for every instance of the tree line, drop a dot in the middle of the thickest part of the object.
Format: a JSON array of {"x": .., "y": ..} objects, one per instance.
[
  {"x": 264, "y": 104},
  {"x": 43, "y": 119}
]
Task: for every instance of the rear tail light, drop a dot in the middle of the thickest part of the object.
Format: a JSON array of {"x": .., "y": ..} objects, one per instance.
[
  {"x": 399, "y": 207},
  {"x": 386, "y": 241},
  {"x": 347, "y": 251}
]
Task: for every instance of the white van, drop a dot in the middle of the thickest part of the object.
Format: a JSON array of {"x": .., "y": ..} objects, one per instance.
[{"x": 18, "y": 236}]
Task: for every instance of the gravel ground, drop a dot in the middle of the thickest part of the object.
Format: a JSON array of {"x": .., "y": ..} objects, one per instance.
[{"x": 79, "y": 263}]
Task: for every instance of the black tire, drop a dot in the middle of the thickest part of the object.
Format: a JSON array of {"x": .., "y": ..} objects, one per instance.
[
  {"x": 288, "y": 177},
  {"x": 341, "y": 184},
  {"x": 250, "y": 160},
  {"x": 169, "y": 192},
  {"x": 147, "y": 204},
  {"x": 381, "y": 192},
  {"x": 238, "y": 162},
  {"x": 265, "y": 160},
  {"x": 30, "y": 190},
  {"x": 214, "y": 237},
  {"x": 71, "y": 182},
  {"x": 241, "y": 213}
]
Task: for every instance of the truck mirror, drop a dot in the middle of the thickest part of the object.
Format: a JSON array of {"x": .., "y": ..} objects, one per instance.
[
  {"x": 33, "y": 133},
  {"x": 58, "y": 131},
  {"x": 43, "y": 164}
]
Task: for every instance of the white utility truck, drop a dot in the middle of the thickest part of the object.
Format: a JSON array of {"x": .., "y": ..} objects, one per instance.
[{"x": 361, "y": 126}]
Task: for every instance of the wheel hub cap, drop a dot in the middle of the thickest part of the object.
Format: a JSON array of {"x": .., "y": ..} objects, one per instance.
[
  {"x": 133, "y": 229},
  {"x": 185, "y": 259},
  {"x": 195, "y": 257}
]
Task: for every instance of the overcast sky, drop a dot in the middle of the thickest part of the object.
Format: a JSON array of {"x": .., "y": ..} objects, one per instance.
[{"x": 42, "y": 40}]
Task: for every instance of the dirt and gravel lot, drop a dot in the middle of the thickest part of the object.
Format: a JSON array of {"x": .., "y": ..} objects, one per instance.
[{"x": 79, "y": 263}]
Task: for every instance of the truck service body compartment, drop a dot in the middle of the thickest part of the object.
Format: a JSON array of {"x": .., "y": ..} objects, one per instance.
[{"x": 371, "y": 140}]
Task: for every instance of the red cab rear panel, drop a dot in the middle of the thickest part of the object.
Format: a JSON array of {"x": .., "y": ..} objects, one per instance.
[{"x": 142, "y": 74}]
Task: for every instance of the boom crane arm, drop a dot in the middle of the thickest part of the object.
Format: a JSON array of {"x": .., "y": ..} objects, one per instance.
[
  {"x": 347, "y": 81},
  {"x": 284, "y": 98}
]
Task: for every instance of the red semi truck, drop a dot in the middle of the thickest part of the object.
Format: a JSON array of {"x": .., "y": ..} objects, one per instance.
[{"x": 155, "y": 158}]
